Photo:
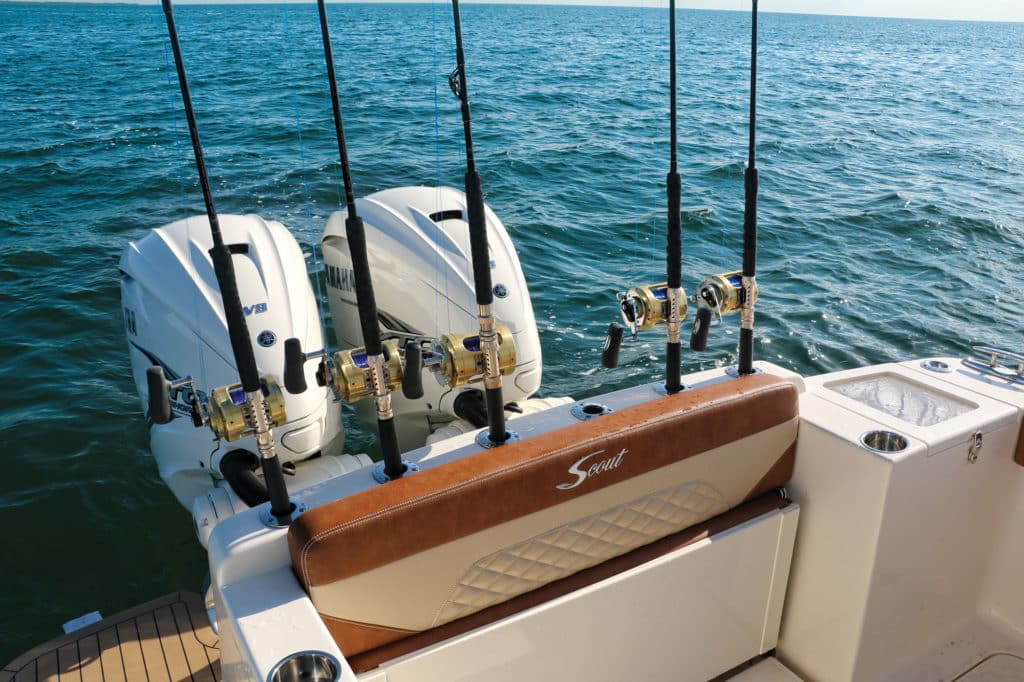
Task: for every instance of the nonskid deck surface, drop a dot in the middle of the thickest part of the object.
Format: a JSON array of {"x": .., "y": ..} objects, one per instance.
[{"x": 166, "y": 640}]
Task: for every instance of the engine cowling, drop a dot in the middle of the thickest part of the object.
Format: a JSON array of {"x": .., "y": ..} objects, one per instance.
[
  {"x": 419, "y": 254},
  {"x": 174, "y": 317}
]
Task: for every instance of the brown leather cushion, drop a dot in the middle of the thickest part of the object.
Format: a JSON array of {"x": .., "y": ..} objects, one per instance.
[{"x": 343, "y": 550}]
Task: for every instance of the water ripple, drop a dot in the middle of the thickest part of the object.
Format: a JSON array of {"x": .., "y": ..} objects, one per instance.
[{"x": 892, "y": 217}]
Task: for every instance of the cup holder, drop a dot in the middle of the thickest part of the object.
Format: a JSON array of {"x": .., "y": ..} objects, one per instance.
[
  {"x": 936, "y": 366},
  {"x": 585, "y": 411},
  {"x": 884, "y": 441},
  {"x": 307, "y": 666}
]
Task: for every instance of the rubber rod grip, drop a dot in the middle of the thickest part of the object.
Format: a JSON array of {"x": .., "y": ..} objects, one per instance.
[
  {"x": 746, "y": 360},
  {"x": 159, "y": 398},
  {"x": 495, "y": 416},
  {"x": 280, "y": 506},
  {"x": 394, "y": 467},
  {"x": 612, "y": 344},
  {"x": 412, "y": 377},
  {"x": 673, "y": 373},
  {"x": 294, "y": 367},
  {"x": 701, "y": 326}
]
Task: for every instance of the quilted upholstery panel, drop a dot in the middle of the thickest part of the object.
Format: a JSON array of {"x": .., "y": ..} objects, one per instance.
[{"x": 573, "y": 547}]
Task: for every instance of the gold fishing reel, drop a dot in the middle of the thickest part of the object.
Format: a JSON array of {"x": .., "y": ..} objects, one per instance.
[
  {"x": 228, "y": 414},
  {"x": 463, "y": 360},
  {"x": 718, "y": 295},
  {"x": 723, "y": 293},
  {"x": 646, "y": 306},
  {"x": 352, "y": 376},
  {"x": 230, "y": 417}
]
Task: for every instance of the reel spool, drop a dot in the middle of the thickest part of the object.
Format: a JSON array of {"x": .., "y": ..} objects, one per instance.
[
  {"x": 645, "y": 306},
  {"x": 226, "y": 413},
  {"x": 723, "y": 293},
  {"x": 717, "y": 295},
  {"x": 352, "y": 376},
  {"x": 642, "y": 308},
  {"x": 463, "y": 361},
  {"x": 230, "y": 419}
]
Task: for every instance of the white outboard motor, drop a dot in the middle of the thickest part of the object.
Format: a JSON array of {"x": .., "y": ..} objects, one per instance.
[
  {"x": 174, "y": 318},
  {"x": 417, "y": 240}
]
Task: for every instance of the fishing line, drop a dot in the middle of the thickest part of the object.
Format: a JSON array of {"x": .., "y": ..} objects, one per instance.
[
  {"x": 653, "y": 77},
  {"x": 440, "y": 279},
  {"x": 184, "y": 214},
  {"x": 310, "y": 233},
  {"x": 639, "y": 160}
]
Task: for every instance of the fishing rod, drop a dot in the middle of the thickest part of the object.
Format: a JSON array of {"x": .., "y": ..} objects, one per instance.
[
  {"x": 256, "y": 405},
  {"x": 377, "y": 362},
  {"x": 491, "y": 337},
  {"x": 674, "y": 248},
  {"x": 750, "y": 181},
  {"x": 645, "y": 306},
  {"x": 737, "y": 291}
]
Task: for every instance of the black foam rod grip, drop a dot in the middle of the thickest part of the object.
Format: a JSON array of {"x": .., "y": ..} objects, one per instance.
[
  {"x": 612, "y": 344},
  {"x": 412, "y": 377},
  {"x": 294, "y": 367},
  {"x": 159, "y": 396},
  {"x": 701, "y": 326}
]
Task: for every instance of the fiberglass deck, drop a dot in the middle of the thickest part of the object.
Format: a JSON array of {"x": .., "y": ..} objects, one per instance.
[{"x": 165, "y": 640}]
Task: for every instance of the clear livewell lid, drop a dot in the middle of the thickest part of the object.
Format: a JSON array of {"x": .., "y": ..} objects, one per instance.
[{"x": 908, "y": 401}]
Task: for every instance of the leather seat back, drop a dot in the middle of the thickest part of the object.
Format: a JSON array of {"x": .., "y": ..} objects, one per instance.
[{"x": 455, "y": 539}]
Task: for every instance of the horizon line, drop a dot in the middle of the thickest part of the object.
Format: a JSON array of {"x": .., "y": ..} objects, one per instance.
[{"x": 634, "y": 4}]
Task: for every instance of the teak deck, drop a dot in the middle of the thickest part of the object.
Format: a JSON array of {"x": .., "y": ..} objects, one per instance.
[{"x": 166, "y": 640}]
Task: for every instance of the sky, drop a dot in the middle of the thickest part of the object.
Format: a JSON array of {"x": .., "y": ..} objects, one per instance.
[
  {"x": 984, "y": 10},
  {"x": 976, "y": 10}
]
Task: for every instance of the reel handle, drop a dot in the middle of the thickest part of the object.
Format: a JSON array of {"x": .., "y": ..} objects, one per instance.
[
  {"x": 701, "y": 327},
  {"x": 412, "y": 377},
  {"x": 159, "y": 395},
  {"x": 612, "y": 344},
  {"x": 294, "y": 366}
]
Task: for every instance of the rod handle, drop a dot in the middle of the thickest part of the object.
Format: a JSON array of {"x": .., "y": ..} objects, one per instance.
[
  {"x": 701, "y": 326},
  {"x": 159, "y": 396},
  {"x": 412, "y": 377},
  {"x": 294, "y": 366},
  {"x": 612, "y": 344}
]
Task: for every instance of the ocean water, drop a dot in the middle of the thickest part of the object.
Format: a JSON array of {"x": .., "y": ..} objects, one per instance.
[{"x": 891, "y": 222}]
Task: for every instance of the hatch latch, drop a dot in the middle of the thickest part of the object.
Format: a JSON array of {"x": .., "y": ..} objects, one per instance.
[{"x": 974, "y": 447}]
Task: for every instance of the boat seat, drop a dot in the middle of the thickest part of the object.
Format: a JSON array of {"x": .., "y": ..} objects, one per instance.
[{"x": 434, "y": 548}]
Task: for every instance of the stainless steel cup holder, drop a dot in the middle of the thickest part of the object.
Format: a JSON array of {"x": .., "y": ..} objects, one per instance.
[
  {"x": 307, "y": 666},
  {"x": 936, "y": 366},
  {"x": 886, "y": 442}
]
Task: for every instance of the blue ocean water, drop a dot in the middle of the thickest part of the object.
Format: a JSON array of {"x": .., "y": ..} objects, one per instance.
[{"x": 891, "y": 223}]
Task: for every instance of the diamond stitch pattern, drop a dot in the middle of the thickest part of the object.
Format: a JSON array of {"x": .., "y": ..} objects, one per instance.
[{"x": 585, "y": 542}]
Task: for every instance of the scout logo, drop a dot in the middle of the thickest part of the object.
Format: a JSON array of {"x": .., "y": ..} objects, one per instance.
[{"x": 594, "y": 467}]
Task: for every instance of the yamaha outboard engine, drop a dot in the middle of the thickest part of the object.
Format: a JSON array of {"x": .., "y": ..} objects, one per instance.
[
  {"x": 418, "y": 248},
  {"x": 174, "y": 318}
]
